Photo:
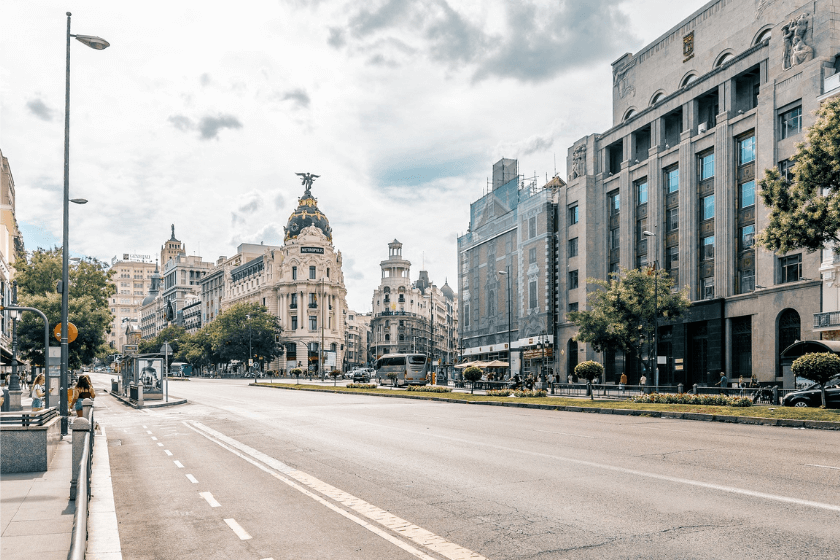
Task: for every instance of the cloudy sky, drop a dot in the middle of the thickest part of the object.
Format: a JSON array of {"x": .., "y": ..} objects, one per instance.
[{"x": 200, "y": 117}]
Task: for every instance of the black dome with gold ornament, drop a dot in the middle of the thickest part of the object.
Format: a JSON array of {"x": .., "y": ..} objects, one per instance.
[{"x": 307, "y": 214}]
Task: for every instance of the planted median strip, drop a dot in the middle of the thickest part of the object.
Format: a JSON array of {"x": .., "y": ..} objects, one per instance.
[{"x": 779, "y": 415}]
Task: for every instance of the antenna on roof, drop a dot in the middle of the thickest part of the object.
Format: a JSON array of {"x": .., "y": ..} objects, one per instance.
[{"x": 555, "y": 164}]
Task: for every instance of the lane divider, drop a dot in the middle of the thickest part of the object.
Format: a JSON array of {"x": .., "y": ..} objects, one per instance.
[
  {"x": 237, "y": 528},
  {"x": 210, "y": 499},
  {"x": 169, "y": 453},
  {"x": 192, "y": 479},
  {"x": 178, "y": 464},
  {"x": 406, "y": 529}
]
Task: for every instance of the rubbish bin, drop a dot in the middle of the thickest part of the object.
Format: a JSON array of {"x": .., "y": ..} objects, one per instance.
[{"x": 115, "y": 386}]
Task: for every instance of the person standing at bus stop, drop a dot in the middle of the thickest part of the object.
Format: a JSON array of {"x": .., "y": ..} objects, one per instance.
[{"x": 83, "y": 390}]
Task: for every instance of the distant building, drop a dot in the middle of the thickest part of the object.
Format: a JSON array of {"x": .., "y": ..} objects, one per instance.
[
  {"x": 190, "y": 314},
  {"x": 11, "y": 245},
  {"x": 132, "y": 280},
  {"x": 356, "y": 339}
]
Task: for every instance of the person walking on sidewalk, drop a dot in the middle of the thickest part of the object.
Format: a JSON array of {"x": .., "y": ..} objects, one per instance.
[
  {"x": 724, "y": 382},
  {"x": 622, "y": 382},
  {"x": 83, "y": 390},
  {"x": 37, "y": 393}
]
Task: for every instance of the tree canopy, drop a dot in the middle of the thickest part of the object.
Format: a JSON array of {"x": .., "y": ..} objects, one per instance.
[
  {"x": 818, "y": 367},
  {"x": 805, "y": 211},
  {"x": 40, "y": 272},
  {"x": 622, "y": 311},
  {"x": 243, "y": 329}
]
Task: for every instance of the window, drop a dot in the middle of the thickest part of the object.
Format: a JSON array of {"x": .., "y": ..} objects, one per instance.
[
  {"x": 294, "y": 273},
  {"x": 672, "y": 219},
  {"x": 790, "y": 123},
  {"x": 707, "y": 252},
  {"x": 786, "y": 170},
  {"x": 707, "y": 207},
  {"x": 294, "y": 322},
  {"x": 707, "y": 166},
  {"x": 641, "y": 192},
  {"x": 746, "y": 194},
  {"x": 672, "y": 258},
  {"x": 613, "y": 270},
  {"x": 313, "y": 323},
  {"x": 313, "y": 300},
  {"x": 532, "y": 255},
  {"x": 573, "y": 247},
  {"x": 532, "y": 294},
  {"x": 747, "y": 237},
  {"x": 614, "y": 203},
  {"x": 746, "y": 150},
  {"x": 641, "y": 261},
  {"x": 615, "y": 238},
  {"x": 707, "y": 288},
  {"x": 573, "y": 280},
  {"x": 573, "y": 307},
  {"x": 312, "y": 273},
  {"x": 791, "y": 268},
  {"x": 532, "y": 228},
  {"x": 747, "y": 281},
  {"x": 672, "y": 180},
  {"x": 328, "y": 272},
  {"x": 573, "y": 215},
  {"x": 293, "y": 303},
  {"x": 641, "y": 239}
]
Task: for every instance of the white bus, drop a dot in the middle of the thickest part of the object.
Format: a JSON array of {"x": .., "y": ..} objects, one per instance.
[{"x": 411, "y": 369}]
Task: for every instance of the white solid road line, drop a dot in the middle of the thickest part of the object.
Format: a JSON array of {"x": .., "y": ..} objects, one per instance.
[
  {"x": 237, "y": 528},
  {"x": 210, "y": 499},
  {"x": 824, "y": 467},
  {"x": 167, "y": 452},
  {"x": 400, "y": 526},
  {"x": 178, "y": 464},
  {"x": 192, "y": 479}
]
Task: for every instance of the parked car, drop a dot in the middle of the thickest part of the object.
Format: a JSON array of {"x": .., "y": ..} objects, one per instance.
[
  {"x": 812, "y": 396},
  {"x": 361, "y": 376}
]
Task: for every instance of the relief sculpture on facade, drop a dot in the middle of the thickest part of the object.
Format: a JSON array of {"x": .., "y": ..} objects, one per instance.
[
  {"x": 578, "y": 162},
  {"x": 621, "y": 79},
  {"x": 796, "y": 50}
]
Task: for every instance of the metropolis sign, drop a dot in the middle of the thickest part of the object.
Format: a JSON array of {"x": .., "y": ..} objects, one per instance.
[{"x": 315, "y": 250}]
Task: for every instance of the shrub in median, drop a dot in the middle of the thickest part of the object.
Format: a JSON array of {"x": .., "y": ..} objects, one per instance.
[
  {"x": 688, "y": 398},
  {"x": 361, "y": 386},
  {"x": 428, "y": 389},
  {"x": 509, "y": 392},
  {"x": 819, "y": 367},
  {"x": 473, "y": 374},
  {"x": 499, "y": 392}
]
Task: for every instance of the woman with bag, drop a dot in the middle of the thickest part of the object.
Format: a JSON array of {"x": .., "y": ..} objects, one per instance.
[
  {"x": 37, "y": 393},
  {"x": 83, "y": 390}
]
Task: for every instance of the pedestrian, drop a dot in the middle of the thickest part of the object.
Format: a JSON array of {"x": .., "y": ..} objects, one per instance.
[
  {"x": 741, "y": 381},
  {"x": 622, "y": 382},
  {"x": 643, "y": 383},
  {"x": 4, "y": 398},
  {"x": 83, "y": 390},
  {"x": 23, "y": 383},
  {"x": 723, "y": 382},
  {"x": 37, "y": 393},
  {"x": 754, "y": 381}
]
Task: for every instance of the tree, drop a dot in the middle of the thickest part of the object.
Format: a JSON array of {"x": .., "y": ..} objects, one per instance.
[
  {"x": 805, "y": 212},
  {"x": 244, "y": 328},
  {"x": 623, "y": 311},
  {"x": 393, "y": 375},
  {"x": 176, "y": 336},
  {"x": 40, "y": 273},
  {"x": 819, "y": 367},
  {"x": 473, "y": 374},
  {"x": 589, "y": 370},
  {"x": 198, "y": 348}
]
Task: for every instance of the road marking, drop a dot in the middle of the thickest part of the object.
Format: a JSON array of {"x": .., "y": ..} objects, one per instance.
[
  {"x": 167, "y": 452},
  {"x": 160, "y": 444},
  {"x": 237, "y": 528},
  {"x": 192, "y": 479},
  {"x": 154, "y": 438},
  {"x": 144, "y": 427},
  {"x": 408, "y": 530},
  {"x": 210, "y": 499},
  {"x": 148, "y": 431},
  {"x": 178, "y": 464},
  {"x": 824, "y": 467},
  {"x": 564, "y": 434}
]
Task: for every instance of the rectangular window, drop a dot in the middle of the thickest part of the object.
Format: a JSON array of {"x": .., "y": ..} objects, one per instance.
[
  {"x": 641, "y": 261},
  {"x": 641, "y": 239},
  {"x": 313, "y": 322},
  {"x": 747, "y": 237},
  {"x": 615, "y": 238},
  {"x": 746, "y": 194},
  {"x": 791, "y": 268},
  {"x": 786, "y": 170},
  {"x": 293, "y": 302},
  {"x": 532, "y": 294},
  {"x": 294, "y": 273},
  {"x": 707, "y": 207},
  {"x": 707, "y": 166},
  {"x": 532, "y": 255},
  {"x": 790, "y": 123},
  {"x": 707, "y": 288},
  {"x": 573, "y": 280},
  {"x": 747, "y": 281},
  {"x": 672, "y": 180},
  {"x": 672, "y": 258},
  {"x": 294, "y": 322},
  {"x": 672, "y": 219},
  {"x": 573, "y": 307},
  {"x": 532, "y": 228},
  {"x": 613, "y": 270},
  {"x": 573, "y": 215},
  {"x": 746, "y": 150},
  {"x": 312, "y": 273},
  {"x": 573, "y": 247},
  {"x": 641, "y": 192},
  {"x": 313, "y": 300},
  {"x": 707, "y": 252},
  {"x": 614, "y": 202}
]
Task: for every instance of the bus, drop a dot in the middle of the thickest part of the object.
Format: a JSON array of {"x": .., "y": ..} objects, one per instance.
[{"x": 411, "y": 369}]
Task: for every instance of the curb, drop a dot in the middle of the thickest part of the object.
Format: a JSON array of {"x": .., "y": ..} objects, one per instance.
[
  {"x": 696, "y": 416},
  {"x": 132, "y": 404}
]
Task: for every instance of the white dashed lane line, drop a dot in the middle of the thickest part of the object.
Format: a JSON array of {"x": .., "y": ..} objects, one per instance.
[
  {"x": 154, "y": 438},
  {"x": 210, "y": 499},
  {"x": 237, "y": 528},
  {"x": 148, "y": 431},
  {"x": 160, "y": 445},
  {"x": 167, "y": 452},
  {"x": 178, "y": 464},
  {"x": 192, "y": 479}
]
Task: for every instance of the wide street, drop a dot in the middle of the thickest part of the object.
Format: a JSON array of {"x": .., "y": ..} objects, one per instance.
[{"x": 249, "y": 472}]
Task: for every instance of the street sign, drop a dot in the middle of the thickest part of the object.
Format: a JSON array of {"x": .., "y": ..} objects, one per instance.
[
  {"x": 250, "y": 362},
  {"x": 166, "y": 348},
  {"x": 129, "y": 348},
  {"x": 72, "y": 332}
]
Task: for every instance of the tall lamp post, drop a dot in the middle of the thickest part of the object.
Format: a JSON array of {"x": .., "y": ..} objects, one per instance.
[
  {"x": 98, "y": 44},
  {"x": 506, "y": 272},
  {"x": 655, "y": 315},
  {"x": 250, "y": 352}
]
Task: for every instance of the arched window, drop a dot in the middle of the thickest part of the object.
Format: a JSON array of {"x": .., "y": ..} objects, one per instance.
[
  {"x": 572, "y": 353},
  {"x": 630, "y": 112},
  {"x": 790, "y": 328},
  {"x": 763, "y": 35},
  {"x": 657, "y": 97},
  {"x": 688, "y": 79},
  {"x": 724, "y": 58}
]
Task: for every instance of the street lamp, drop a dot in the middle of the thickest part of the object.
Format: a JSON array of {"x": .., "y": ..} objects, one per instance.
[
  {"x": 98, "y": 44},
  {"x": 250, "y": 352},
  {"x": 506, "y": 272},
  {"x": 655, "y": 314}
]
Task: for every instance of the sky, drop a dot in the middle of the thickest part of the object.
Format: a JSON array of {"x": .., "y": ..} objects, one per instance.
[{"x": 200, "y": 117}]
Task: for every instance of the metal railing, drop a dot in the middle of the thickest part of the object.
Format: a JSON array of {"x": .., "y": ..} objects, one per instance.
[
  {"x": 24, "y": 418},
  {"x": 78, "y": 540}
]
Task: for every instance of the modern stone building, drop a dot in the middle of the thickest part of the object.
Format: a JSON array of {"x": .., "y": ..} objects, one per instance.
[
  {"x": 506, "y": 260},
  {"x": 132, "y": 280},
  {"x": 11, "y": 244},
  {"x": 698, "y": 115}
]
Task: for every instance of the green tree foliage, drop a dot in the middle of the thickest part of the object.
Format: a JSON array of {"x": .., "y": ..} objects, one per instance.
[
  {"x": 198, "y": 349},
  {"x": 819, "y": 367},
  {"x": 175, "y": 335},
  {"x": 473, "y": 374},
  {"x": 589, "y": 370},
  {"x": 805, "y": 212},
  {"x": 39, "y": 274},
  {"x": 244, "y": 325},
  {"x": 622, "y": 311}
]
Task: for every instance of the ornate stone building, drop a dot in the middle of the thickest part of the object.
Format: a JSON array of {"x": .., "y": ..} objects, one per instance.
[
  {"x": 11, "y": 244},
  {"x": 698, "y": 115},
  {"x": 132, "y": 280},
  {"x": 356, "y": 339}
]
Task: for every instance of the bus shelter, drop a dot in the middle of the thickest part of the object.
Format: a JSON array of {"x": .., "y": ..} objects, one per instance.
[{"x": 145, "y": 370}]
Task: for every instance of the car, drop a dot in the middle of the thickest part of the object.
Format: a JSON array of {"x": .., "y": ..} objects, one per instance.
[
  {"x": 361, "y": 376},
  {"x": 812, "y": 395}
]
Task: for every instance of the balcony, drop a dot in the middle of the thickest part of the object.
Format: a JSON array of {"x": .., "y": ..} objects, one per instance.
[
  {"x": 313, "y": 306},
  {"x": 830, "y": 83},
  {"x": 827, "y": 321},
  {"x": 292, "y": 306}
]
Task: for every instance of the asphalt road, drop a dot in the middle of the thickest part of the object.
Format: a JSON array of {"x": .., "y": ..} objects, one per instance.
[{"x": 249, "y": 472}]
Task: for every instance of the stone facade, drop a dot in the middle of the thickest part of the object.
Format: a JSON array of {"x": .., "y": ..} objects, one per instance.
[
  {"x": 11, "y": 243},
  {"x": 698, "y": 115},
  {"x": 356, "y": 339},
  {"x": 132, "y": 280}
]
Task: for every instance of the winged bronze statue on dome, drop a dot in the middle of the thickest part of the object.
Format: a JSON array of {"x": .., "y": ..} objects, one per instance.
[{"x": 307, "y": 180}]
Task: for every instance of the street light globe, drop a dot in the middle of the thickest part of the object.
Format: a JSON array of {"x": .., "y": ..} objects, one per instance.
[
  {"x": 93, "y": 42},
  {"x": 79, "y": 200}
]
